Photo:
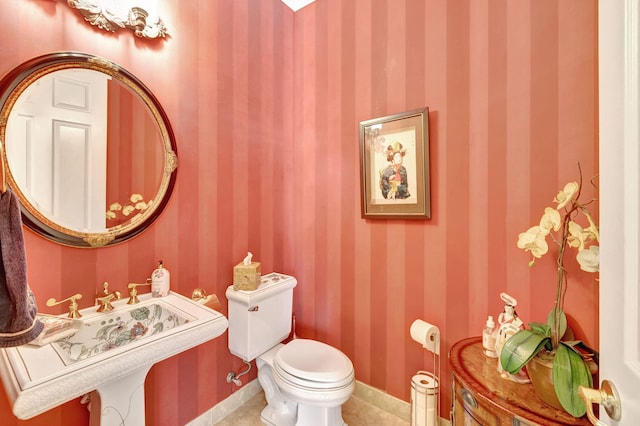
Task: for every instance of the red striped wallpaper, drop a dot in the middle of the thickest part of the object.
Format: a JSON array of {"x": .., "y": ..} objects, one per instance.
[
  {"x": 265, "y": 106},
  {"x": 511, "y": 88},
  {"x": 134, "y": 151}
]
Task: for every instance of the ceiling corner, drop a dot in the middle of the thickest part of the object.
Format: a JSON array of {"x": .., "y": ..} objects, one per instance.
[{"x": 296, "y": 5}]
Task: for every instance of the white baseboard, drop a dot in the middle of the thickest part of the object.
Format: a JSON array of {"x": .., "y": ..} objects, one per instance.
[
  {"x": 383, "y": 400},
  {"x": 388, "y": 403},
  {"x": 371, "y": 395}
]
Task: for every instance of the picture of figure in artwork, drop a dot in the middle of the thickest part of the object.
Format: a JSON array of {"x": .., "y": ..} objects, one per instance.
[
  {"x": 395, "y": 167},
  {"x": 393, "y": 178}
]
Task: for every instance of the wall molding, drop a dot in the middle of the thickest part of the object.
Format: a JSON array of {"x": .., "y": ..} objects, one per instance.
[{"x": 384, "y": 401}]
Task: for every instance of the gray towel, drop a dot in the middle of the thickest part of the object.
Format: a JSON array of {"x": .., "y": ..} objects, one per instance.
[{"x": 18, "y": 322}]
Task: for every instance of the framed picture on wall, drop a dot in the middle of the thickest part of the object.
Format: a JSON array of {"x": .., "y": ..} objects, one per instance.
[{"x": 394, "y": 162}]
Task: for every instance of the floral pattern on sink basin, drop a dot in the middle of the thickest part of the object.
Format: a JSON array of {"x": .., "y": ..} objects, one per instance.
[{"x": 117, "y": 329}]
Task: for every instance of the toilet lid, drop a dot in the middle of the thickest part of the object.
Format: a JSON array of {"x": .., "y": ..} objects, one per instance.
[{"x": 315, "y": 361}]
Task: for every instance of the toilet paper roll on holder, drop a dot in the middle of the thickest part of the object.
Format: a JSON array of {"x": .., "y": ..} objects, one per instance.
[{"x": 428, "y": 335}]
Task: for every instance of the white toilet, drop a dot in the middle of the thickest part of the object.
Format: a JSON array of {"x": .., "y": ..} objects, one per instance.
[{"x": 305, "y": 381}]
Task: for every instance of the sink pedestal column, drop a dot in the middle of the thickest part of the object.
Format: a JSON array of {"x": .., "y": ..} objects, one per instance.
[{"x": 120, "y": 402}]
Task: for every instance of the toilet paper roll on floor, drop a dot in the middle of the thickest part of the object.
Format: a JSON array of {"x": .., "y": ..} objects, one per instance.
[
  {"x": 424, "y": 400},
  {"x": 428, "y": 335}
]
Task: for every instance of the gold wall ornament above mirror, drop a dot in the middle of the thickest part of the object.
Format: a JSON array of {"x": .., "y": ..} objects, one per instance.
[
  {"x": 111, "y": 15},
  {"x": 81, "y": 135}
]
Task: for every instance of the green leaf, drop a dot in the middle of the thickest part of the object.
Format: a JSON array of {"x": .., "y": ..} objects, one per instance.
[
  {"x": 520, "y": 348},
  {"x": 540, "y": 328},
  {"x": 157, "y": 328},
  {"x": 578, "y": 345},
  {"x": 569, "y": 372},
  {"x": 157, "y": 311},
  {"x": 140, "y": 314},
  {"x": 563, "y": 322},
  {"x": 123, "y": 338}
]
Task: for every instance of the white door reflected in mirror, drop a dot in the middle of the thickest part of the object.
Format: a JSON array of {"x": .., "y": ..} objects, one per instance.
[{"x": 57, "y": 147}]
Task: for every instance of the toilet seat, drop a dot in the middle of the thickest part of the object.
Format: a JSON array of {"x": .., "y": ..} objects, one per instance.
[{"x": 310, "y": 364}]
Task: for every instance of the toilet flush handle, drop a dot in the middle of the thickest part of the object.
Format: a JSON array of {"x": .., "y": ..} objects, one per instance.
[{"x": 254, "y": 308}]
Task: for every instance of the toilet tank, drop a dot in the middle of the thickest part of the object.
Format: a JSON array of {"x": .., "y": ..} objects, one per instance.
[{"x": 260, "y": 319}]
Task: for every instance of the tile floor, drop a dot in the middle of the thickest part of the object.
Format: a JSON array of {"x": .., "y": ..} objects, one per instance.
[{"x": 355, "y": 412}]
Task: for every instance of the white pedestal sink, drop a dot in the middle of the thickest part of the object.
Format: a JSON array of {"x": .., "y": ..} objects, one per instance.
[{"x": 109, "y": 356}]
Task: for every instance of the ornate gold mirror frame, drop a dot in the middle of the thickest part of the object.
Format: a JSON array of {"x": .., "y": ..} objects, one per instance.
[{"x": 18, "y": 80}]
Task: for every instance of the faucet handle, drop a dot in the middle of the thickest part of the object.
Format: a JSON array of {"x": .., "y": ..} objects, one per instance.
[
  {"x": 73, "y": 306},
  {"x": 105, "y": 292},
  {"x": 103, "y": 299},
  {"x": 199, "y": 295},
  {"x": 104, "y": 302},
  {"x": 133, "y": 292}
]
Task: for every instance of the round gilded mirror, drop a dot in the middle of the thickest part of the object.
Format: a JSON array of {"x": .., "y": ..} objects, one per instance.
[{"x": 87, "y": 149}]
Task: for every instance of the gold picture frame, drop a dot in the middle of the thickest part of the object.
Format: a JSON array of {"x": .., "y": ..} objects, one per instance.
[{"x": 394, "y": 163}]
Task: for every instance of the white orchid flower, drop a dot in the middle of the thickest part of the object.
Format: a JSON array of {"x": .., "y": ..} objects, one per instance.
[
  {"x": 592, "y": 230},
  {"x": 577, "y": 236},
  {"x": 550, "y": 220},
  {"x": 566, "y": 195},
  {"x": 589, "y": 259},
  {"x": 533, "y": 240}
]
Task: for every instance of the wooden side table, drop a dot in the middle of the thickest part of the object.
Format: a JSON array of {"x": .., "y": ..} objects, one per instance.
[{"x": 482, "y": 397}]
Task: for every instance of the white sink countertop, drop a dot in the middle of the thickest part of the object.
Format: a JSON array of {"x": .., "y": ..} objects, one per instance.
[{"x": 39, "y": 378}]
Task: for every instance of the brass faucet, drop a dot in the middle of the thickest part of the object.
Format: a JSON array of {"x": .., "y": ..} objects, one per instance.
[
  {"x": 103, "y": 300},
  {"x": 133, "y": 293},
  {"x": 73, "y": 306}
]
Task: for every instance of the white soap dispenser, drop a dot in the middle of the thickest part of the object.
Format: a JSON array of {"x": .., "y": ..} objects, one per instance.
[
  {"x": 160, "y": 281},
  {"x": 489, "y": 338}
]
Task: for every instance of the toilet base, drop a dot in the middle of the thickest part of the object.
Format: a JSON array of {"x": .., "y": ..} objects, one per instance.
[
  {"x": 279, "y": 410},
  {"x": 272, "y": 416},
  {"x": 309, "y": 415}
]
